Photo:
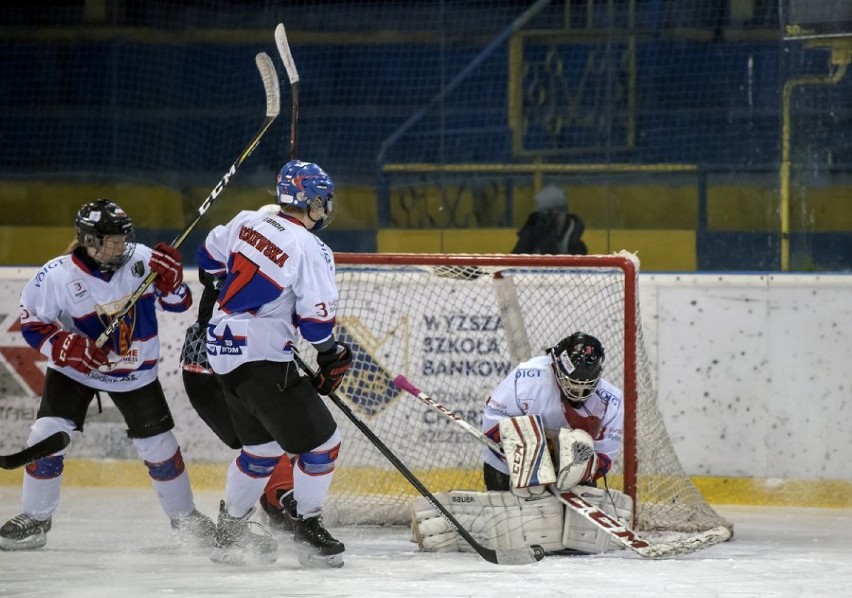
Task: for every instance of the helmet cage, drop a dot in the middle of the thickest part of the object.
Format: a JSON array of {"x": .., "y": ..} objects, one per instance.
[
  {"x": 578, "y": 364},
  {"x": 100, "y": 219},
  {"x": 307, "y": 186}
]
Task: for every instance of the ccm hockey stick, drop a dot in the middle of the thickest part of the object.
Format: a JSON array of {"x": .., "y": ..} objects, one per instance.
[
  {"x": 273, "y": 107},
  {"x": 611, "y": 526},
  {"x": 293, "y": 75},
  {"x": 518, "y": 556},
  {"x": 47, "y": 446}
]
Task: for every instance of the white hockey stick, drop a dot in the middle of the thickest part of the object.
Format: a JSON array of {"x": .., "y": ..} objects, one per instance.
[
  {"x": 517, "y": 556},
  {"x": 273, "y": 107},
  {"x": 625, "y": 535},
  {"x": 293, "y": 75}
]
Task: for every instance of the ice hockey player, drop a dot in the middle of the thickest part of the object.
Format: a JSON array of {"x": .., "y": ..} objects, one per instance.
[
  {"x": 561, "y": 397},
  {"x": 64, "y": 309},
  {"x": 277, "y": 278},
  {"x": 207, "y": 397}
]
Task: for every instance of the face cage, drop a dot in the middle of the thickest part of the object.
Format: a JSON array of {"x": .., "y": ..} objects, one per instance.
[
  {"x": 96, "y": 242},
  {"x": 328, "y": 211},
  {"x": 576, "y": 391}
]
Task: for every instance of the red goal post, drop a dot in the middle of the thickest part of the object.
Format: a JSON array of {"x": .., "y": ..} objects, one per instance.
[{"x": 455, "y": 325}]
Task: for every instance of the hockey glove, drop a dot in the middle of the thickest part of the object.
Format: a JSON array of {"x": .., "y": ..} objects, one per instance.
[
  {"x": 333, "y": 365},
  {"x": 77, "y": 351},
  {"x": 578, "y": 460},
  {"x": 167, "y": 263}
]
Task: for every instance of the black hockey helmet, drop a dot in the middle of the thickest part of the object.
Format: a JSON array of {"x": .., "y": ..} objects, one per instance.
[
  {"x": 98, "y": 220},
  {"x": 578, "y": 363}
]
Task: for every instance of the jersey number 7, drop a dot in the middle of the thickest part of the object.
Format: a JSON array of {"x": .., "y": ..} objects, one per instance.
[{"x": 246, "y": 289}]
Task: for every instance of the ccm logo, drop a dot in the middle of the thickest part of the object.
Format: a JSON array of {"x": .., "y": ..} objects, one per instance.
[{"x": 517, "y": 458}]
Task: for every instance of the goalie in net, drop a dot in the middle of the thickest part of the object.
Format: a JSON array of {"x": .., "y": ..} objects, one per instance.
[{"x": 552, "y": 409}]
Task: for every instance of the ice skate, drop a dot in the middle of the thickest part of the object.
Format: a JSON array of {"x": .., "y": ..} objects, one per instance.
[
  {"x": 235, "y": 544},
  {"x": 194, "y": 530},
  {"x": 24, "y": 533},
  {"x": 280, "y": 516},
  {"x": 316, "y": 547}
]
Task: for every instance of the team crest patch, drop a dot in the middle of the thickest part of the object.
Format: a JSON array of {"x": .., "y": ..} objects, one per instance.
[
  {"x": 78, "y": 290},
  {"x": 227, "y": 344},
  {"x": 138, "y": 269}
]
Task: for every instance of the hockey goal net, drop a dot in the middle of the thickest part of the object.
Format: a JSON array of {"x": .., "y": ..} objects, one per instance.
[{"x": 455, "y": 325}]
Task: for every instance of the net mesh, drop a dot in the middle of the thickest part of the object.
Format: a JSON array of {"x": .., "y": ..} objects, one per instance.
[{"x": 455, "y": 326}]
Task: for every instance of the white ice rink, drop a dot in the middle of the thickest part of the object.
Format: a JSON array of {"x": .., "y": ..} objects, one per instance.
[{"x": 117, "y": 543}]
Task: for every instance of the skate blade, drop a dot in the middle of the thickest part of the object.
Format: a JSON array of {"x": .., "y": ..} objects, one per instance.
[
  {"x": 240, "y": 558},
  {"x": 32, "y": 543},
  {"x": 310, "y": 559}
]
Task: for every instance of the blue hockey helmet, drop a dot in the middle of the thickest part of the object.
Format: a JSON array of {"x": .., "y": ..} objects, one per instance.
[{"x": 307, "y": 186}]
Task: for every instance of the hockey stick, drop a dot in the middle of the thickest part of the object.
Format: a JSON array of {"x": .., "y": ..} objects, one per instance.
[
  {"x": 611, "y": 526},
  {"x": 47, "y": 446},
  {"x": 293, "y": 74},
  {"x": 518, "y": 556},
  {"x": 273, "y": 107}
]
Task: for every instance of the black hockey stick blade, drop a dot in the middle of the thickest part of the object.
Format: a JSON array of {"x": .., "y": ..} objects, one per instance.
[
  {"x": 52, "y": 444},
  {"x": 293, "y": 75},
  {"x": 515, "y": 556}
]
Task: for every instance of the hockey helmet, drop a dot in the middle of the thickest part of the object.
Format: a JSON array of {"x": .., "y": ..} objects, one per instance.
[
  {"x": 307, "y": 186},
  {"x": 578, "y": 363},
  {"x": 107, "y": 231}
]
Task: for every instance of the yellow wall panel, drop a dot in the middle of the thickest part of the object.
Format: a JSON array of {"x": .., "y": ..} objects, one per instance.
[
  {"x": 408, "y": 241},
  {"x": 357, "y": 207},
  {"x": 658, "y": 250},
  {"x": 483, "y": 240},
  {"x": 826, "y": 209},
  {"x": 33, "y": 245},
  {"x": 622, "y": 206},
  {"x": 742, "y": 208},
  {"x": 56, "y": 204},
  {"x": 597, "y": 240}
]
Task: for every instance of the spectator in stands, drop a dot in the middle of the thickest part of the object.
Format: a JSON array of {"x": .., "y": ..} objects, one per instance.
[{"x": 551, "y": 228}]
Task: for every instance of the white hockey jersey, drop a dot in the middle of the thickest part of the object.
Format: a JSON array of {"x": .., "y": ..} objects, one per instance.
[
  {"x": 278, "y": 277},
  {"x": 68, "y": 295},
  {"x": 531, "y": 389}
]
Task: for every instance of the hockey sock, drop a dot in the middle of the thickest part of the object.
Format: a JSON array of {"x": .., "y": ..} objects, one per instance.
[
  {"x": 312, "y": 476},
  {"x": 247, "y": 476}
]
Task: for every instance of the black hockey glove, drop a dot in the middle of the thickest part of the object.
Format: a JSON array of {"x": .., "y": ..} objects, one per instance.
[{"x": 333, "y": 365}]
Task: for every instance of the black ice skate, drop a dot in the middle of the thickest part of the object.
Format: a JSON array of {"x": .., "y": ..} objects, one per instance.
[
  {"x": 235, "y": 544},
  {"x": 280, "y": 516},
  {"x": 24, "y": 533},
  {"x": 194, "y": 530},
  {"x": 316, "y": 547}
]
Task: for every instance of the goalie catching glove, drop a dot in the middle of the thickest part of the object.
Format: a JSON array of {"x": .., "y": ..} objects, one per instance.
[
  {"x": 168, "y": 264},
  {"x": 77, "y": 351},
  {"x": 578, "y": 460},
  {"x": 333, "y": 365}
]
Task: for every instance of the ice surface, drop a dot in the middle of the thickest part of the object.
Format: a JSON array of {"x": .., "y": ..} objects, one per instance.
[{"x": 117, "y": 542}]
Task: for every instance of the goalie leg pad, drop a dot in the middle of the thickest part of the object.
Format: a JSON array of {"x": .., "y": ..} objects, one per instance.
[
  {"x": 430, "y": 530},
  {"x": 584, "y": 536},
  {"x": 527, "y": 455},
  {"x": 497, "y": 520}
]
